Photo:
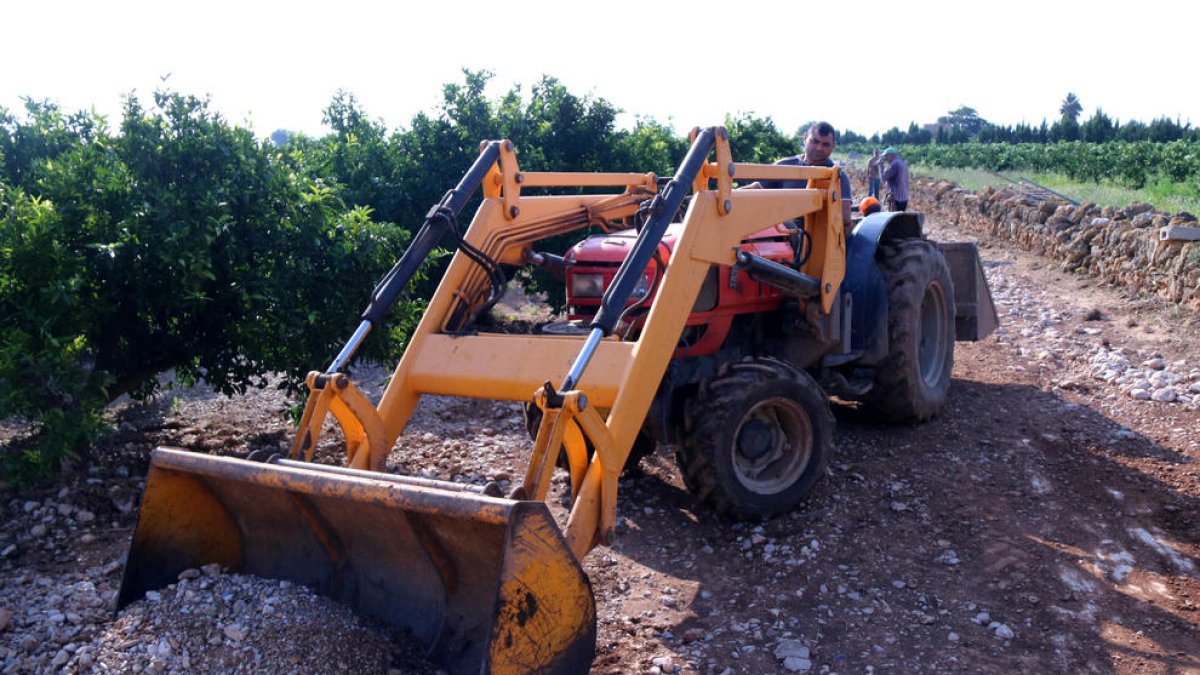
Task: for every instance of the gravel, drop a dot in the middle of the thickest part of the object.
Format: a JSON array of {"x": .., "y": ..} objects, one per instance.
[
  {"x": 1037, "y": 330},
  {"x": 207, "y": 622}
]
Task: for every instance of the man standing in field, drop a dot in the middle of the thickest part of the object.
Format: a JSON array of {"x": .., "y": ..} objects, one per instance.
[
  {"x": 874, "y": 174},
  {"x": 896, "y": 177}
]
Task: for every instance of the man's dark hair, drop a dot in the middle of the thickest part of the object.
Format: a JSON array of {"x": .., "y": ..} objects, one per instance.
[{"x": 824, "y": 129}]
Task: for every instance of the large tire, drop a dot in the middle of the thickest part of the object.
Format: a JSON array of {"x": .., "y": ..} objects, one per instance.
[
  {"x": 911, "y": 383},
  {"x": 757, "y": 438}
]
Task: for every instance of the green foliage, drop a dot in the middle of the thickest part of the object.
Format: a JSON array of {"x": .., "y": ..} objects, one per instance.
[
  {"x": 1128, "y": 164},
  {"x": 1099, "y": 129},
  {"x": 848, "y": 137},
  {"x": 182, "y": 243},
  {"x": 958, "y": 126},
  {"x": 650, "y": 147},
  {"x": 758, "y": 140},
  {"x": 915, "y": 135},
  {"x": 1071, "y": 107},
  {"x": 1164, "y": 195},
  {"x": 43, "y": 374},
  {"x": 1066, "y": 129}
]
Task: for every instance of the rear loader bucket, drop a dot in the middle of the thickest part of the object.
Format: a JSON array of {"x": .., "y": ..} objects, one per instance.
[
  {"x": 974, "y": 313},
  {"x": 488, "y": 584}
]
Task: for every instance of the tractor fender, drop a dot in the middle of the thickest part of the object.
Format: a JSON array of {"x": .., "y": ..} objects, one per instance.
[{"x": 864, "y": 282}]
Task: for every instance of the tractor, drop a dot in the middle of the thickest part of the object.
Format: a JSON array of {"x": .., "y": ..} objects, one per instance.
[{"x": 717, "y": 319}]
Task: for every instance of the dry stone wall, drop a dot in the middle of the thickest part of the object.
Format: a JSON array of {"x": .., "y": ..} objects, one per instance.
[{"x": 1120, "y": 245}]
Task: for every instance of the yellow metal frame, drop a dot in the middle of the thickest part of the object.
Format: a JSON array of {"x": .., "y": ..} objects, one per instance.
[{"x": 622, "y": 377}]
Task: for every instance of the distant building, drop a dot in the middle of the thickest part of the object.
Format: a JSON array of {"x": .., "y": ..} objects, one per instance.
[{"x": 934, "y": 128}]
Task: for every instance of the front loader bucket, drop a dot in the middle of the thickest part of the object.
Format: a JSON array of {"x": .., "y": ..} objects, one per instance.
[{"x": 488, "y": 584}]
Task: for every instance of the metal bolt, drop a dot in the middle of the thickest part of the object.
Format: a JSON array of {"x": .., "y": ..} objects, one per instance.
[
  {"x": 728, "y": 206},
  {"x": 520, "y": 178},
  {"x": 508, "y": 146},
  {"x": 731, "y": 169},
  {"x": 514, "y": 211},
  {"x": 341, "y": 381},
  {"x": 583, "y": 402},
  {"x": 828, "y": 288}
]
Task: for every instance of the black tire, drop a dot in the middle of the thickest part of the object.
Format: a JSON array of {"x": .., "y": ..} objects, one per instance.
[
  {"x": 757, "y": 438},
  {"x": 643, "y": 446},
  {"x": 911, "y": 383}
]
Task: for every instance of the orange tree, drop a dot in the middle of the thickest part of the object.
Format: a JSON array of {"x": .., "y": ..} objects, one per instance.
[{"x": 179, "y": 243}]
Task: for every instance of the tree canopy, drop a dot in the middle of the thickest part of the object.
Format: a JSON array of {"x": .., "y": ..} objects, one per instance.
[{"x": 1071, "y": 108}]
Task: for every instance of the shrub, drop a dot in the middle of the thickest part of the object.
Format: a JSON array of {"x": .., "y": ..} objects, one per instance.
[{"x": 180, "y": 243}]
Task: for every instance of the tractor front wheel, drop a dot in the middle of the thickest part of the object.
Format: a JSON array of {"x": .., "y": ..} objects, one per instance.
[{"x": 757, "y": 438}]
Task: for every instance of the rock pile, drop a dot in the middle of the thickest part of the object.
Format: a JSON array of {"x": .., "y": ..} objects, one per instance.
[
  {"x": 208, "y": 622},
  {"x": 1153, "y": 379},
  {"x": 1120, "y": 245}
]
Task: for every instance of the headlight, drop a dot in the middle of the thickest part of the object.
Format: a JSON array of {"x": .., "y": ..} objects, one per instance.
[{"x": 587, "y": 285}]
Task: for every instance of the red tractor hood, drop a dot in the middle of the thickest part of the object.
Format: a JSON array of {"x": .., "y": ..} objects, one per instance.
[{"x": 615, "y": 246}]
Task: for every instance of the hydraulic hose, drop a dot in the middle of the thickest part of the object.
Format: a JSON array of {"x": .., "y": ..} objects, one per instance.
[
  {"x": 438, "y": 221},
  {"x": 662, "y": 208}
]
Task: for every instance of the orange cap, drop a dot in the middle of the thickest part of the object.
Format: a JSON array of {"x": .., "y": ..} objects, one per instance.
[{"x": 868, "y": 206}]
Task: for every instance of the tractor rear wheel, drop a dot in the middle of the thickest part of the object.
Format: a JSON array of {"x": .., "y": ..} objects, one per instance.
[
  {"x": 911, "y": 383},
  {"x": 757, "y": 438}
]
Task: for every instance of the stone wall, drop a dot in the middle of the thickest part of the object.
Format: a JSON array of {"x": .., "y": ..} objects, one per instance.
[{"x": 1118, "y": 245}]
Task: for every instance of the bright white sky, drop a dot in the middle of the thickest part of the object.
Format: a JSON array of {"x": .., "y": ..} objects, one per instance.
[{"x": 865, "y": 65}]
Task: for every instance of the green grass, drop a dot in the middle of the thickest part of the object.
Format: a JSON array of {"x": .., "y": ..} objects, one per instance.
[{"x": 1163, "y": 195}]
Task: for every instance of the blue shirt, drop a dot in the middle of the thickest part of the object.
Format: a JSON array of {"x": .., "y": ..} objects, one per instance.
[
  {"x": 896, "y": 177},
  {"x": 798, "y": 160}
]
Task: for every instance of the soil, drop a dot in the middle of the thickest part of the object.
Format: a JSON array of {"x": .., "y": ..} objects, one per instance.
[{"x": 1045, "y": 521}]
